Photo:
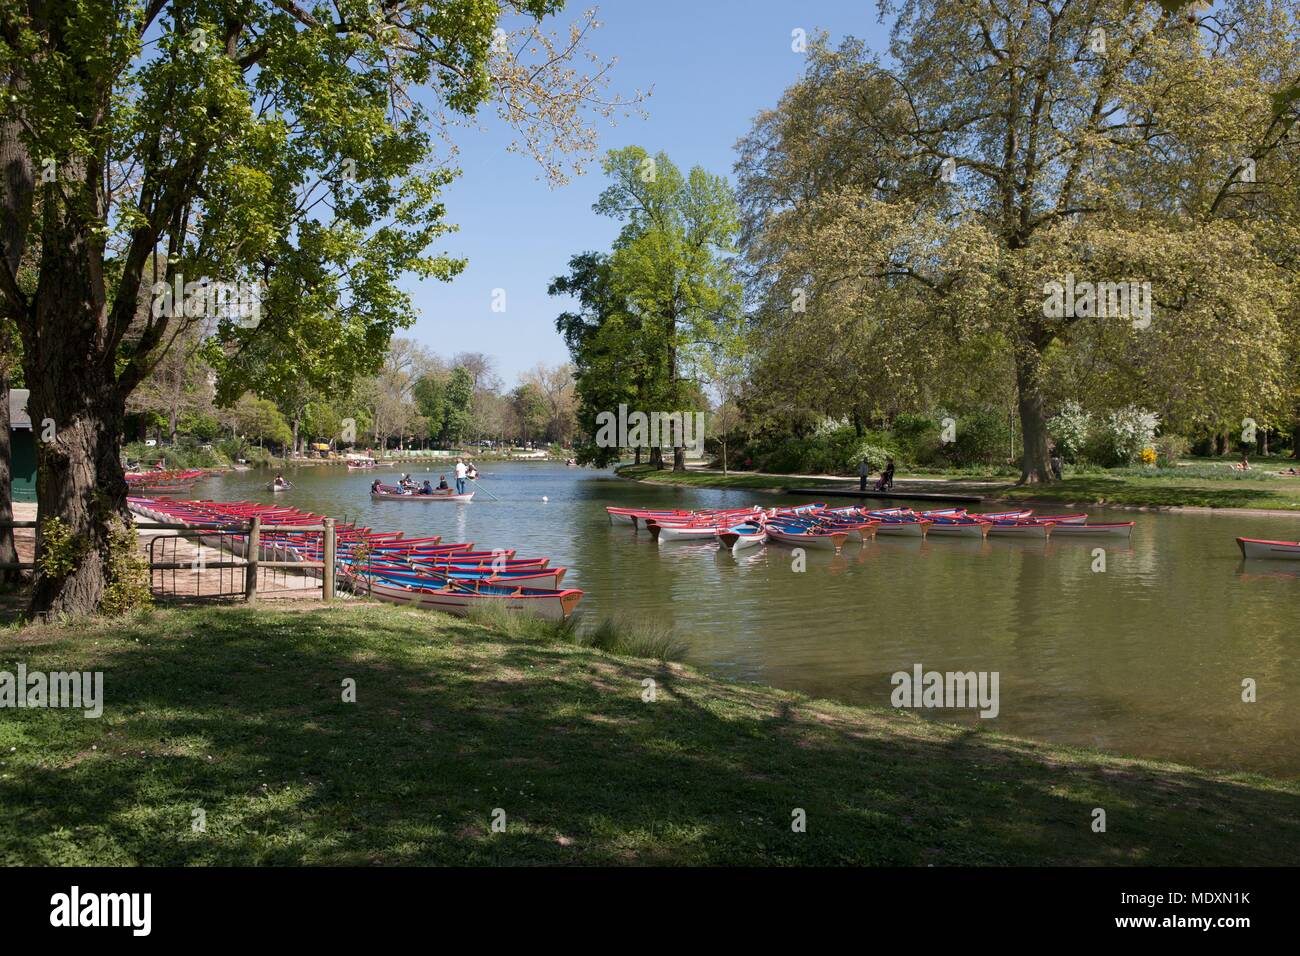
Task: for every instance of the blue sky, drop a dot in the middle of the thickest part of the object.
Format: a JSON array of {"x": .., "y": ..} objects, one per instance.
[{"x": 713, "y": 65}]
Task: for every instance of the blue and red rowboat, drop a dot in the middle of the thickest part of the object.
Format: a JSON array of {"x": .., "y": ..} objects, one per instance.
[
  {"x": 960, "y": 528},
  {"x": 534, "y": 577},
  {"x": 859, "y": 528},
  {"x": 1023, "y": 515},
  {"x": 910, "y": 526},
  {"x": 1021, "y": 529},
  {"x": 1114, "y": 529},
  {"x": 1263, "y": 548},
  {"x": 459, "y": 597},
  {"x": 802, "y": 537},
  {"x": 1077, "y": 518},
  {"x": 738, "y": 537}
]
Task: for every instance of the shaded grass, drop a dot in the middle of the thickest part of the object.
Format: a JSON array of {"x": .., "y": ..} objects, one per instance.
[{"x": 238, "y": 712}]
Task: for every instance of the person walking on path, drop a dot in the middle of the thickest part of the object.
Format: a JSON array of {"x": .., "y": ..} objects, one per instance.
[
  {"x": 864, "y": 470},
  {"x": 460, "y": 476}
]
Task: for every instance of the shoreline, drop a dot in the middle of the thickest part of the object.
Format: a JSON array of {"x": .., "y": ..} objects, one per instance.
[{"x": 946, "y": 486}]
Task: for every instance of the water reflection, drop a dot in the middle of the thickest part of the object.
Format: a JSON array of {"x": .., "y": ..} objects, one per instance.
[{"x": 1144, "y": 658}]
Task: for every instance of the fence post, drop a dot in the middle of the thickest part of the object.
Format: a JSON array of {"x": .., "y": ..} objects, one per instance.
[
  {"x": 327, "y": 573},
  {"x": 251, "y": 555}
]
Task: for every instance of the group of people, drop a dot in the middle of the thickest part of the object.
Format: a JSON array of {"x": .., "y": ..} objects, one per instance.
[
  {"x": 409, "y": 486},
  {"x": 886, "y": 480}
]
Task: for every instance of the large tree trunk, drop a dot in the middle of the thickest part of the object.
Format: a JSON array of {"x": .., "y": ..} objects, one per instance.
[
  {"x": 79, "y": 480},
  {"x": 8, "y": 553},
  {"x": 679, "y": 458},
  {"x": 657, "y": 458},
  {"x": 1035, "y": 467}
]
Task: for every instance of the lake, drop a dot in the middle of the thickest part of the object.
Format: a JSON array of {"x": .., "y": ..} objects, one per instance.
[{"x": 1145, "y": 658}]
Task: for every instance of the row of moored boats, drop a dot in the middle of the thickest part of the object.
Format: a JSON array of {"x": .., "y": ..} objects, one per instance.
[
  {"x": 419, "y": 572},
  {"x": 818, "y": 526}
]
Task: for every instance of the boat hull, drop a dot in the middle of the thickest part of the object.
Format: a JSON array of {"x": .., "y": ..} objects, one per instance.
[{"x": 1258, "y": 548}]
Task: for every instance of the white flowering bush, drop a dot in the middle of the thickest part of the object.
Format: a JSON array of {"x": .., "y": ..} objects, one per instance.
[
  {"x": 1069, "y": 430},
  {"x": 1129, "y": 431}
]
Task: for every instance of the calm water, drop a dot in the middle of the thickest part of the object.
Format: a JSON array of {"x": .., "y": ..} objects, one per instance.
[{"x": 1145, "y": 659}]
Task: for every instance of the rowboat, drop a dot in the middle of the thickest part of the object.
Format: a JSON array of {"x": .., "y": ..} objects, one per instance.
[
  {"x": 391, "y": 493},
  {"x": 912, "y": 526},
  {"x": 697, "y": 531},
  {"x": 459, "y": 597},
  {"x": 806, "y": 537},
  {"x": 960, "y": 528},
  {"x": 1261, "y": 548},
  {"x": 1078, "y": 518},
  {"x": 738, "y": 537},
  {"x": 1021, "y": 529},
  {"x": 1007, "y": 515},
  {"x": 417, "y": 572},
  {"x": 362, "y": 465},
  {"x": 1111, "y": 528}
]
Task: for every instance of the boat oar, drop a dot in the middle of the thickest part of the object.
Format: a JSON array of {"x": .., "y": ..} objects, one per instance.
[{"x": 484, "y": 490}]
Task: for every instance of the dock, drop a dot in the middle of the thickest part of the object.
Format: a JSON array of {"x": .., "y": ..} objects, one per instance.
[{"x": 885, "y": 495}]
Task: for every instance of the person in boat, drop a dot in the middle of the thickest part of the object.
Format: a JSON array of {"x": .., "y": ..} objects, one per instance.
[
  {"x": 864, "y": 471},
  {"x": 461, "y": 472},
  {"x": 886, "y": 477},
  {"x": 442, "y": 483},
  {"x": 470, "y": 471},
  {"x": 376, "y": 486},
  {"x": 280, "y": 482},
  {"x": 407, "y": 483},
  {"x": 426, "y": 488}
]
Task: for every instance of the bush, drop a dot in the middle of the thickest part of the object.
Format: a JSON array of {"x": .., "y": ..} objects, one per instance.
[
  {"x": 918, "y": 438},
  {"x": 834, "y": 450},
  {"x": 1170, "y": 449},
  {"x": 1069, "y": 430},
  {"x": 1129, "y": 431},
  {"x": 981, "y": 439}
]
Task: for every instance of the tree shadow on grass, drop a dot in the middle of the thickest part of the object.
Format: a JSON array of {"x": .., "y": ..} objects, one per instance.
[{"x": 239, "y": 714}]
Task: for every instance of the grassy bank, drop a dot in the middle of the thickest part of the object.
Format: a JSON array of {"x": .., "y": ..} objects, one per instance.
[
  {"x": 238, "y": 712},
  {"x": 1161, "y": 490}
]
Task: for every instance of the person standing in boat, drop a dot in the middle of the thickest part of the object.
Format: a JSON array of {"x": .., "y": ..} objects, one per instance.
[
  {"x": 864, "y": 471},
  {"x": 461, "y": 471}
]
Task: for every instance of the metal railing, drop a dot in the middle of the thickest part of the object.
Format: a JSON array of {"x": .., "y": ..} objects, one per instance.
[{"x": 252, "y": 561}]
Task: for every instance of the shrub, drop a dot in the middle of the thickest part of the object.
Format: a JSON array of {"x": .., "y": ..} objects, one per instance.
[
  {"x": 1170, "y": 449},
  {"x": 636, "y": 637},
  {"x": 1129, "y": 431},
  {"x": 1069, "y": 430},
  {"x": 980, "y": 440},
  {"x": 917, "y": 438}
]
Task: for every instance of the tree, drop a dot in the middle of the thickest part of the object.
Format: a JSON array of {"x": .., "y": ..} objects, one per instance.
[
  {"x": 8, "y": 363},
  {"x": 1013, "y": 146},
  {"x": 258, "y": 418},
  {"x": 262, "y": 144},
  {"x": 671, "y": 263},
  {"x": 555, "y": 382},
  {"x": 529, "y": 407}
]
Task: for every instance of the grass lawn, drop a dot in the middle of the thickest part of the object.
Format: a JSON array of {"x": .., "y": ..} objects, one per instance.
[
  {"x": 238, "y": 712},
  {"x": 1162, "y": 490}
]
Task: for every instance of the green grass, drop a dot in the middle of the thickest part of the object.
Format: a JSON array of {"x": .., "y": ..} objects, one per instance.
[{"x": 238, "y": 712}]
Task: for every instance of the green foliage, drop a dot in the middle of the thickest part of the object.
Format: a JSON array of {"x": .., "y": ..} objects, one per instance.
[
  {"x": 836, "y": 450},
  {"x": 981, "y": 439},
  {"x": 1170, "y": 449},
  {"x": 127, "y": 587},
  {"x": 60, "y": 550}
]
